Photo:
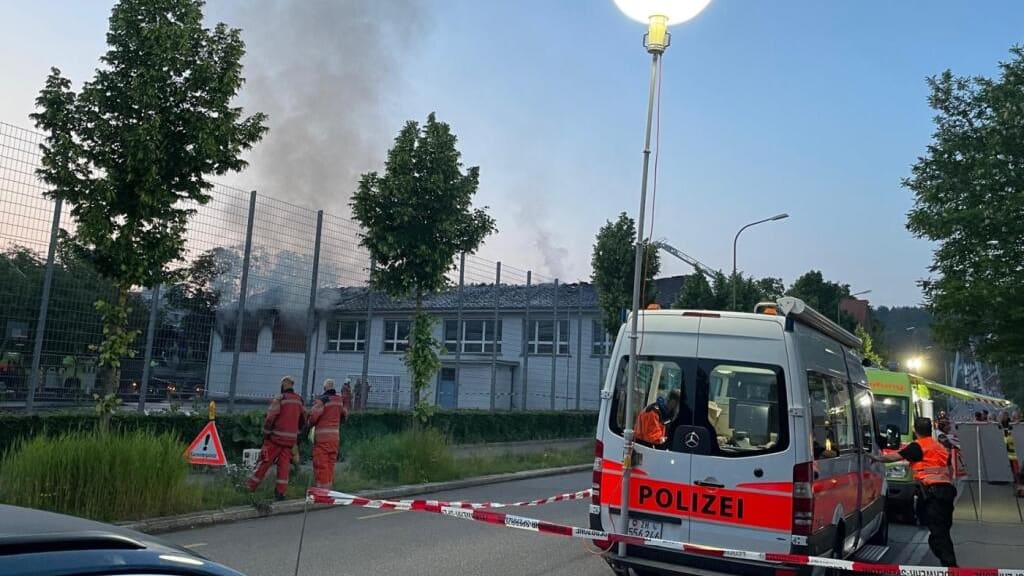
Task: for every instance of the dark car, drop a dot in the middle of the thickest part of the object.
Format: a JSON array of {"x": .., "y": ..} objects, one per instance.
[{"x": 37, "y": 543}]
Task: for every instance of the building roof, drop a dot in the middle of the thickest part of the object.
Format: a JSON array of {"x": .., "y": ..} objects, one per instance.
[{"x": 479, "y": 298}]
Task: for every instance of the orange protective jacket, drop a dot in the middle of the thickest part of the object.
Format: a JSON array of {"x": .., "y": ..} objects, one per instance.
[
  {"x": 327, "y": 415},
  {"x": 934, "y": 467},
  {"x": 286, "y": 414}
]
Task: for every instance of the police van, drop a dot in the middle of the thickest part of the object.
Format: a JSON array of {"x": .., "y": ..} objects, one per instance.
[{"x": 765, "y": 441}]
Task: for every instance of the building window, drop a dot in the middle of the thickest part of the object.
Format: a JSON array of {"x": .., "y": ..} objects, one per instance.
[
  {"x": 288, "y": 334},
  {"x": 602, "y": 340},
  {"x": 543, "y": 335},
  {"x": 346, "y": 336},
  {"x": 250, "y": 334},
  {"x": 396, "y": 335},
  {"x": 478, "y": 336}
]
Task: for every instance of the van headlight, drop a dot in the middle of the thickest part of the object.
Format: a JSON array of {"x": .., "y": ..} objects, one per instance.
[{"x": 897, "y": 471}]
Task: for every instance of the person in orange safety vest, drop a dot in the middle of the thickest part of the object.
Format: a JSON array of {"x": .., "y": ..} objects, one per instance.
[
  {"x": 286, "y": 414},
  {"x": 930, "y": 462},
  {"x": 328, "y": 412},
  {"x": 650, "y": 424}
]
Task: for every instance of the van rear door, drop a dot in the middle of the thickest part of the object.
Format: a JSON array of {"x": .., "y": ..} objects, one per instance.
[
  {"x": 660, "y": 480},
  {"x": 742, "y": 479}
]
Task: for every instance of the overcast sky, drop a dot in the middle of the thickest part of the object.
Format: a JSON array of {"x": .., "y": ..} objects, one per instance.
[{"x": 813, "y": 108}]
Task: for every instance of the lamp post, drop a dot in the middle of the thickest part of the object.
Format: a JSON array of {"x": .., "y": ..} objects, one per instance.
[
  {"x": 735, "y": 239},
  {"x": 658, "y": 15},
  {"x": 839, "y": 302}
]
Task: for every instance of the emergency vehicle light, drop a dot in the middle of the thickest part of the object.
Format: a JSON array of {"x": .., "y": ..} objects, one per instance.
[{"x": 768, "y": 308}]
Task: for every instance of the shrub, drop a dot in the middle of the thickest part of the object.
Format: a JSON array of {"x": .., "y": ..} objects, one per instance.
[
  {"x": 410, "y": 457},
  {"x": 111, "y": 476}
]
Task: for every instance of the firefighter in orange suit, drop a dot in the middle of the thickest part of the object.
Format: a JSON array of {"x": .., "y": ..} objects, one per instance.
[
  {"x": 280, "y": 434},
  {"x": 931, "y": 463},
  {"x": 328, "y": 413}
]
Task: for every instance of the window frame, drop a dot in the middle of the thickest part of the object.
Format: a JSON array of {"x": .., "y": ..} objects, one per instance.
[
  {"x": 486, "y": 346},
  {"x": 392, "y": 344},
  {"x": 534, "y": 343},
  {"x": 336, "y": 341},
  {"x": 600, "y": 348},
  {"x": 840, "y": 384}
]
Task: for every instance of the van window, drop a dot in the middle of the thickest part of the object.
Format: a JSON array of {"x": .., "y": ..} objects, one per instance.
[
  {"x": 832, "y": 415},
  {"x": 745, "y": 407},
  {"x": 744, "y": 404},
  {"x": 865, "y": 417}
]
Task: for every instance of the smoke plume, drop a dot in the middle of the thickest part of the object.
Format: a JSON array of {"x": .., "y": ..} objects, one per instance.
[{"x": 325, "y": 71}]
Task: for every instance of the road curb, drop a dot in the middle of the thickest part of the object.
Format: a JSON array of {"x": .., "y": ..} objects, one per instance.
[{"x": 238, "y": 513}]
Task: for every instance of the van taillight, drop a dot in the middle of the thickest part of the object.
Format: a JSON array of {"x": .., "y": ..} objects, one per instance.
[
  {"x": 803, "y": 499},
  {"x": 595, "y": 479}
]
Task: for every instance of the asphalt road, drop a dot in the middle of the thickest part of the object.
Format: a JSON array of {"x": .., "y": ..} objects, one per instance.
[{"x": 359, "y": 541}]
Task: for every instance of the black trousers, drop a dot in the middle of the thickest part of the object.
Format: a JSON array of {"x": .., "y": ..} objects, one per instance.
[{"x": 937, "y": 515}]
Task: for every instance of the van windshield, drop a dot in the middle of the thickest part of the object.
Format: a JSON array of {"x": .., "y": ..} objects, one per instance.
[
  {"x": 893, "y": 412},
  {"x": 741, "y": 404}
]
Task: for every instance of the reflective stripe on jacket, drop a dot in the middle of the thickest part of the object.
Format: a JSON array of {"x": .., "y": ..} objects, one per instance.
[
  {"x": 327, "y": 415},
  {"x": 283, "y": 419},
  {"x": 933, "y": 468}
]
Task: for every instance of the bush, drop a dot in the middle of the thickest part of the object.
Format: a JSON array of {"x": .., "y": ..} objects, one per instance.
[
  {"x": 113, "y": 476},
  {"x": 242, "y": 430},
  {"x": 411, "y": 457}
]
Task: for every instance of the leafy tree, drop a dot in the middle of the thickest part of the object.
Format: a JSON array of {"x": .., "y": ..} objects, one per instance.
[
  {"x": 867, "y": 349},
  {"x": 416, "y": 218},
  {"x": 969, "y": 200},
  {"x": 613, "y": 265},
  {"x": 131, "y": 150},
  {"x": 696, "y": 294},
  {"x": 823, "y": 295}
]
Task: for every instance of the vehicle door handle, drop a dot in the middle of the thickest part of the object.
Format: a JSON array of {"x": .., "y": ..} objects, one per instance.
[{"x": 709, "y": 484}]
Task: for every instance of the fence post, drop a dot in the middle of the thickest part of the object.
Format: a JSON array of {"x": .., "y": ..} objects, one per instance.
[
  {"x": 365, "y": 373},
  {"x": 147, "y": 356},
  {"x": 526, "y": 343},
  {"x": 44, "y": 306},
  {"x": 556, "y": 340},
  {"x": 311, "y": 312},
  {"x": 579, "y": 342},
  {"x": 243, "y": 286},
  {"x": 458, "y": 325},
  {"x": 497, "y": 342}
]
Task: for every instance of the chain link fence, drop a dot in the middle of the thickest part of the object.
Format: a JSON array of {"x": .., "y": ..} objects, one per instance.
[{"x": 512, "y": 339}]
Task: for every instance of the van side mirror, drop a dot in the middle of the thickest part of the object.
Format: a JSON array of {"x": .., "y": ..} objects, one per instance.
[
  {"x": 865, "y": 362},
  {"x": 892, "y": 438}
]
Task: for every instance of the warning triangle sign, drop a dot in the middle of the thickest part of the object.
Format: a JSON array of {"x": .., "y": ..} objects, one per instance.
[{"x": 206, "y": 448}]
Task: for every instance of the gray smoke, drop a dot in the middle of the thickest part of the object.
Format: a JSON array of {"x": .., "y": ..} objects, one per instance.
[
  {"x": 324, "y": 71},
  {"x": 555, "y": 257}
]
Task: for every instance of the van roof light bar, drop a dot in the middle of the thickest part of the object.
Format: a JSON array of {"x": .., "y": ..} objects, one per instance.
[{"x": 799, "y": 310}]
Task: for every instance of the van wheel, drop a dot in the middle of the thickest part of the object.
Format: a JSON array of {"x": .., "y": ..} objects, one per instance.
[{"x": 881, "y": 536}]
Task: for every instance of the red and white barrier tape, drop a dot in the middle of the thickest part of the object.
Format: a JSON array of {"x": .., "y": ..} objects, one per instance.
[
  {"x": 323, "y": 497},
  {"x": 320, "y": 496}
]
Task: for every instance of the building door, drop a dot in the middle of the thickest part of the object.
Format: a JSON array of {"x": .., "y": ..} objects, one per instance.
[{"x": 447, "y": 393}]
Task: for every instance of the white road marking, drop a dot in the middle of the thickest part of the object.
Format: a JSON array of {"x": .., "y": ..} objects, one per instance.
[
  {"x": 196, "y": 545},
  {"x": 380, "y": 515}
]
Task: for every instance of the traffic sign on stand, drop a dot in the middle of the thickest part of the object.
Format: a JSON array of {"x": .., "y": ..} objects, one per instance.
[{"x": 206, "y": 448}]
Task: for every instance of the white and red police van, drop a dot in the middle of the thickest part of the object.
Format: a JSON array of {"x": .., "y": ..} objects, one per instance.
[{"x": 764, "y": 450}]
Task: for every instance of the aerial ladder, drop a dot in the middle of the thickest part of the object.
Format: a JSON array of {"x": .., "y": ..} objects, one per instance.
[{"x": 697, "y": 264}]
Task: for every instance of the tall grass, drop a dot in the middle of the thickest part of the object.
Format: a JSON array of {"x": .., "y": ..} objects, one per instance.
[
  {"x": 411, "y": 457},
  {"x": 115, "y": 476}
]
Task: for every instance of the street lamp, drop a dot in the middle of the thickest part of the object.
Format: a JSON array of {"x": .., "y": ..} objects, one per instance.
[
  {"x": 782, "y": 216},
  {"x": 658, "y": 15},
  {"x": 839, "y": 303}
]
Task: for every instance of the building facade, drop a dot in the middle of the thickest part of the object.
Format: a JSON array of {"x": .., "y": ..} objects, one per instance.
[{"x": 506, "y": 348}]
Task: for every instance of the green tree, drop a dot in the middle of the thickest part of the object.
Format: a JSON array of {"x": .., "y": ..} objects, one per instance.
[
  {"x": 696, "y": 294},
  {"x": 824, "y": 296},
  {"x": 867, "y": 348},
  {"x": 416, "y": 219},
  {"x": 130, "y": 152},
  {"x": 969, "y": 200},
  {"x": 613, "y": 264}
]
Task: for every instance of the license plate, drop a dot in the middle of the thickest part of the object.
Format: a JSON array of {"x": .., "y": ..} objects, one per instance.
[{"x": 644, "y": 528}]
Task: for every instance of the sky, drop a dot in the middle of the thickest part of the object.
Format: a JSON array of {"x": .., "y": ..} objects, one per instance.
[{"x": 817, "y": 109}]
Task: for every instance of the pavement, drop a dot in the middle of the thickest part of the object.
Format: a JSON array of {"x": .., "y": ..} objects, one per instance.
[{"x": 358, "y": 541}]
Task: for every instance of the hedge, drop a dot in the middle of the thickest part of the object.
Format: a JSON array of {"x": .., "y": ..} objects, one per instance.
[{"x": 244, "y": 430}]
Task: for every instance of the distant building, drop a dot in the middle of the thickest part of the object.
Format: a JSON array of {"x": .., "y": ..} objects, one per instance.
[
  {"x": 356, "y": 326},
  {"x": 858, "y": 309}
]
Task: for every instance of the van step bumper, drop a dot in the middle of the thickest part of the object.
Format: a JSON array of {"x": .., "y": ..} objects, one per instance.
[{"x": 871, "y": 553}]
